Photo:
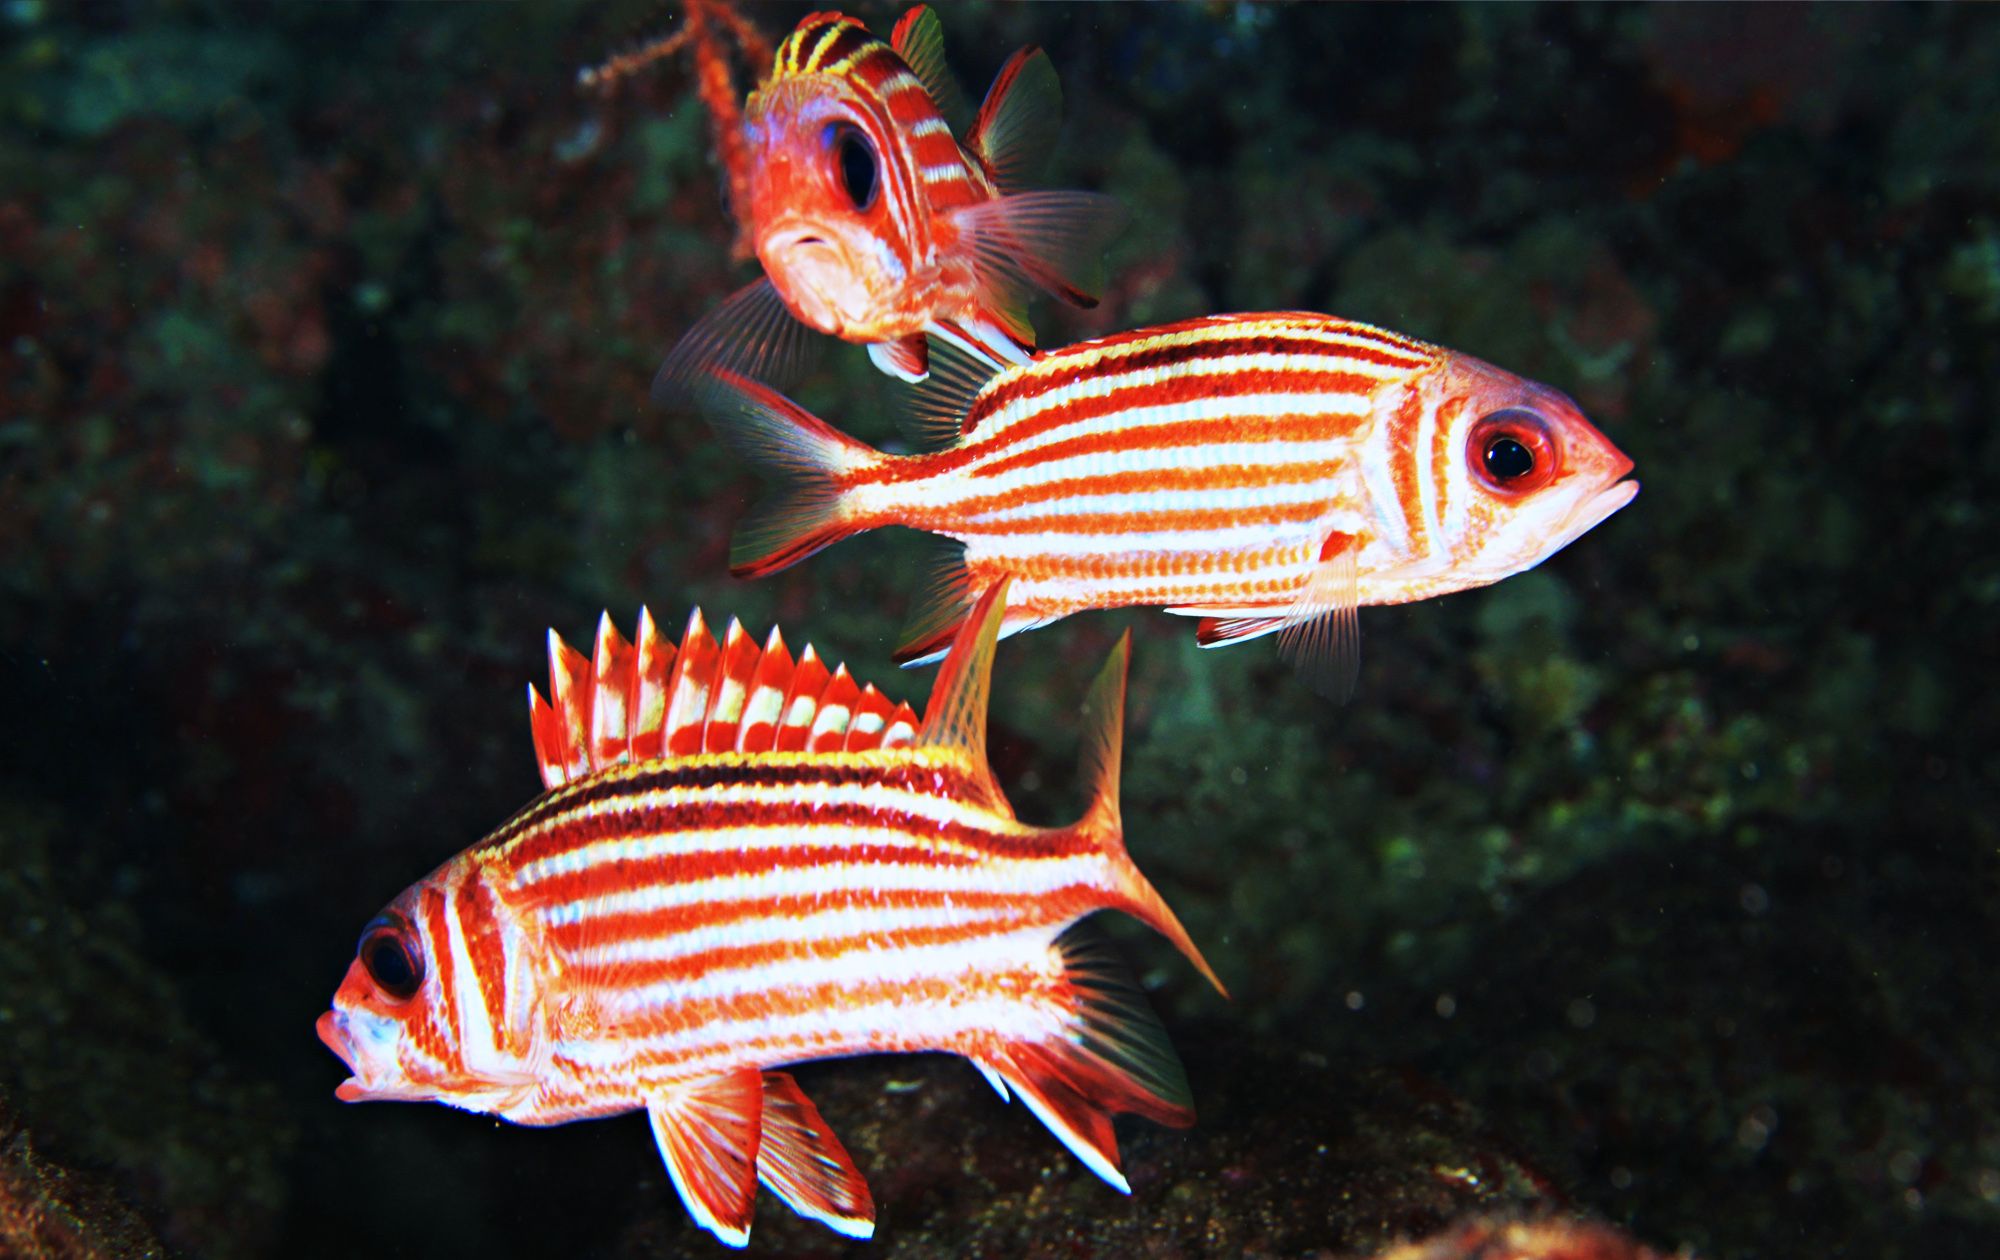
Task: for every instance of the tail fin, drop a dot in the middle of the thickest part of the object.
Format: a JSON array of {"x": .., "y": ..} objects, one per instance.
[
  {"x": 1114, "y": 1057},
  {"x": 818, "y": 462},
  {"x": 1103, "y": 739}
]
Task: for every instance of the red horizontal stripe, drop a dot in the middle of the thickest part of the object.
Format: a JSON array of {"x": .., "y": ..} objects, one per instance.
[
  {"x": 1169, "y": 350},
  {"x": 829, "y": 769},
  {"x": 777, "y": 954},
  {"x": 1117, "y": 523},
  {"x": 1002, "y": 981},
  {"x": 1194, "y": 432}
]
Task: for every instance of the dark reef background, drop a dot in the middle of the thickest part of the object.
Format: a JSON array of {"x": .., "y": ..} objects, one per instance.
[{"x": 1659, "y": 883}]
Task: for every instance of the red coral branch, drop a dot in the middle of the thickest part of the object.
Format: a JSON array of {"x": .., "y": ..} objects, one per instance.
[{"x": 712, "y": 25}]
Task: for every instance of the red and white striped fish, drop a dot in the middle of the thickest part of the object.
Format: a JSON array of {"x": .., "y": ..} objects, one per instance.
[
  {"x": 746, "y": 861},
  {"x": 874, "y": 222},
  {"x": 1265, "y": 473}
]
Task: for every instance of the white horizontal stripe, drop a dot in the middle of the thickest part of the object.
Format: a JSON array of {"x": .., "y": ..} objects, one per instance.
[
  {"x": 899, "y": 82},
  {"x": 1283, "y": 468},
  {"x": 1028, "y": 877},
  {"x": 914, "y": 1022},
  {"x": 853, "y": 920},
  {"x": 851, "y": 969},
  {"x": 1194, "y": 547},
  {"x": 930, "y": 127},
  {"x": 1192, "y": 372},
  {"x": 607, "y": 1067},
  {"x": 1223, "y": 498},
  {"x": 993, "y": 444},
  {"x": 1328, "y": 332},
  {"x": 1164, "y": 588},
  {"x": 944, "y": 174},
  {"x": 1222, "y": 464}
]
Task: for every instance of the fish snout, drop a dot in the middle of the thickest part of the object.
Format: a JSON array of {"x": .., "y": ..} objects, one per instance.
[{"x": 814, "y": 268}]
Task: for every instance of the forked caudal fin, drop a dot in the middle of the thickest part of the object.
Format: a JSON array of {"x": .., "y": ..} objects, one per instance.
[{"x": 817, "y": 463}]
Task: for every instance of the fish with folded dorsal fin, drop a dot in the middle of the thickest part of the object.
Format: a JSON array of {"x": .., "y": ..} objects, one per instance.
[
  {"x": 881, "y": 215},
  {"x": 746, "y": 861},
  {"x": 1266, "y": 473}
]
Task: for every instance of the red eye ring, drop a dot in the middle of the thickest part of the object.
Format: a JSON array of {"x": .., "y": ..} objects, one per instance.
[
  {"x": 1512, "y": 452},
  {"x": 389, "y": 953}
]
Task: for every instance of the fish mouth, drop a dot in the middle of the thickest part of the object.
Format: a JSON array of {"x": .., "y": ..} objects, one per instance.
[
  {"x": 332, "y": 1029},
  {"x": 1590, "y": 513}
]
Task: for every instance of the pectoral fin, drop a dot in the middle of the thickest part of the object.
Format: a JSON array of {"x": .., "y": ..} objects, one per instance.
[
  {"x": 906, "y": 358},
  {"x": 750, "y": 333},
  {"x": 1321, "y": 633},
  {"x": 708, "y": 1133},
  {"x": 804, "y": 1164}
]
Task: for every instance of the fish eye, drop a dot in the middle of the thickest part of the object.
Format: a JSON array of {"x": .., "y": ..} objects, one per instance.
[
  {"x": 856, "y": 159},
  {"x": 1512, "y": 451},
  {"x": 389, "y": 954}
]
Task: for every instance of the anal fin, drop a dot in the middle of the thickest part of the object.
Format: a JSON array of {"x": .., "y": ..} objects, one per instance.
[
  {"x": 709, "y": 1133},
  {"x": 1321, "y": 634},
  {"x": 803, "y": 1163}
]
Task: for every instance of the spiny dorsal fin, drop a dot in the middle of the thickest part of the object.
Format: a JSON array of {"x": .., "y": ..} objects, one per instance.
[
  {"x": 956, "y": 716},
  {"x": 650, "y": 698},
  {"x": 919, "y": 40}
]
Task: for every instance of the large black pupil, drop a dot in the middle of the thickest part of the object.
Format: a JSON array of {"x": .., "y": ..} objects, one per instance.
[
  {"x": 857, "y": 167},
  {"x": 390, "y": 965},
  {"x": 1508, "y": 460}
]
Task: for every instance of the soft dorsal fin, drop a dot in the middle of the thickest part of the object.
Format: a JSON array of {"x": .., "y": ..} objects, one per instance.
[
  {"x": 650, "y": 698},
  {"x": 1018, "y": 120},
  {"x": 919, "y": 40},
  {"x": 955, "y": 718}
]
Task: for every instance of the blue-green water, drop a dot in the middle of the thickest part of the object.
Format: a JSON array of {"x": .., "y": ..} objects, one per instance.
[{"x": 1665, "y": 874}]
